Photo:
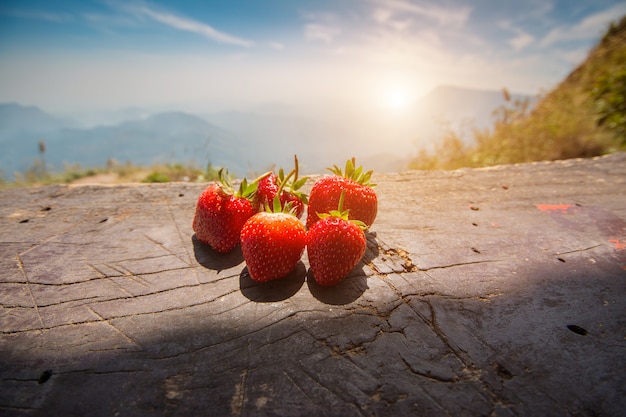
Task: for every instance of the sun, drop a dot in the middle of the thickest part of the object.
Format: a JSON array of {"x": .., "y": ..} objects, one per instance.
[{"x": 396, "y": 97}]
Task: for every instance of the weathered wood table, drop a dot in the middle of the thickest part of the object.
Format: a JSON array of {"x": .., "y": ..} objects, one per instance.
[{"x": 493, "y": 292}]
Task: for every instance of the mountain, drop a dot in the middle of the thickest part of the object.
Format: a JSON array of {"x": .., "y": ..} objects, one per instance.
[
  {"x": 15, "y": 117},
  {"x": 161, "y": 138},
  {"x": 93, "y": 118},
  {"x": 244, "y": 141},
  {"x": 457, "y": 104},
  {"x": 460, "y": 109},
  {"x": 273, "y": 137},
  {"x": 330, "y": 135}
]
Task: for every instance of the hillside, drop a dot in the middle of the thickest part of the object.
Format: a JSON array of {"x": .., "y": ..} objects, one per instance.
[
  {"x": 582, "y": 116},
  {"x": 16, "y": 118},
  {"x": 576, "y": 98}
]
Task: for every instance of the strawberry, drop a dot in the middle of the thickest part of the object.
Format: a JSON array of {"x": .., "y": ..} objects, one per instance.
[
  {"x": 270, "y": 183},
  {"x": 360, "y": 197},
  {"x": 272, "y": 243},
  {"x": 221, "y": 213},
  {"x": 335, "y": 245},
  {"x": 266, "y": 190}
]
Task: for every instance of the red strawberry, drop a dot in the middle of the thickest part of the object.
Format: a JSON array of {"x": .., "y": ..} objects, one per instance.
[
  {"x": 360, "y": 198},
  {"x": 272, "y": 243},
  {"x": 270, "y": 184},
  {"x": 221, "y": 213},
  {"x": 266, "y": 190},
  {"x": 297, "y": 201},
  {"x": 335, "y": 245}
]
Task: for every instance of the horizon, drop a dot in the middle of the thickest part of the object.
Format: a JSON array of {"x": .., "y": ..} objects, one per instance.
[
  {"x": 273, "y": 107},
  {"x": 371, "y": 55}
]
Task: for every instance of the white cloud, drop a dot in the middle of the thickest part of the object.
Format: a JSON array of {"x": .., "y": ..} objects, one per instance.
[
  {"x": 326, "y": 17},
  {"x": 322, "y": 26},
  {"x": 381, "y": 15},
  {"x": 276, "y": 45},
  {"x": 445, "y": 16},
  {"x": 321, "y": 32},
  {"x": 522, "y": 38},
  {"x": 589, "y": 28},
  {"x": 386, "y": 17},
  {"x": 521, "y": 41},
  {"x": 182, "y": 23}
]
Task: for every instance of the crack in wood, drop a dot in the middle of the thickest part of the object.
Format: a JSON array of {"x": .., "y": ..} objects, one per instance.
[
  {"x": 166, "y": 249},
  {"x": 114, "y": 327},
  {"x": 342, "y": 400},
  {"x": 468, "y": 367},
  {"x": 76, "y": 323},
  {"x": 429, "y": 375},
  {"x": 238, "y": 399},
  {"x": 20, "y": 265},
  {"x": 138, "y": 277},
  {"x": 123, "y": 273},
  {"x": 298, "y": 387},
  {"x": 101, "y": 299},
  {"x": 36, "y": 245},
  {"x": 18, "y": 408},
  {"x": 180, "y": 235},
  {"x": 453, "y": 265},
  {"x": 578, "y": 250},
  {"x": 128, "y": 274},
  {"x": 437, "y": 402},
  {"x": 43, "y": 306}
]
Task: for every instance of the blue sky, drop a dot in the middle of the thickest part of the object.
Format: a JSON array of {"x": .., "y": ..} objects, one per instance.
[{"x": 74, "y": 55}]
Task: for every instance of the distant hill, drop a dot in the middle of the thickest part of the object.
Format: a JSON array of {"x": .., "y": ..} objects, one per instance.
[
  {"x": 161, "y": 138},
  {"x": 15, "y": 118},
  {"x": 244, "y": 141},
  {"x": 459, "y": 104},
  {"x": 274, "y": 135},
  {"x": 322, "y": 137}
]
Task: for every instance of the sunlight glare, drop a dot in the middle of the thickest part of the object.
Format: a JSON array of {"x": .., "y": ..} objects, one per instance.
[{"x": 397, "y": 97}]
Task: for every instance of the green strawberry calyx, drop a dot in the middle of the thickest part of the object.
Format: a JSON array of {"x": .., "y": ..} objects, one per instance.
[
  {"x": 245, "y": 190},
  {"x": 342, "y": 214},
  {"x": 354, "y": 173},
  {"x": 276, "y": 206},
  {"x": 293, "y": 186}
]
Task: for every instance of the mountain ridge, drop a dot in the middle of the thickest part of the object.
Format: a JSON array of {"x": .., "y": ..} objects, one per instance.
[{"x": 243, "y": 141}]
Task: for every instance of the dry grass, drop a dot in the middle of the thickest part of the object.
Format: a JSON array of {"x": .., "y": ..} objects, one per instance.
[{"x": 565, "y": 123}]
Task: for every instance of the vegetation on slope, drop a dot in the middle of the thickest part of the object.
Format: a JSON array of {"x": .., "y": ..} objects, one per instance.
[
  {"x": 112, "y": 173},
  {"x": 585, "y": 115}
]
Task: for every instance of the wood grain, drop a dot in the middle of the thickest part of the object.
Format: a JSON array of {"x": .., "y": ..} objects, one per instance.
[{"x": 497, "y": 291}]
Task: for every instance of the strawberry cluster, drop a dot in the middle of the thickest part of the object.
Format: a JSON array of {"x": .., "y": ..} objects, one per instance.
[{"x": 264, "y": 217}]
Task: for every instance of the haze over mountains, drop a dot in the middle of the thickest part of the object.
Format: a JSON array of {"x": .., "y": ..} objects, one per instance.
[{"x": 244, "y": 141}]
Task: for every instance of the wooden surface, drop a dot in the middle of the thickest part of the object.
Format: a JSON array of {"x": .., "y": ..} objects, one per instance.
[{"x": 495, "y": 292}]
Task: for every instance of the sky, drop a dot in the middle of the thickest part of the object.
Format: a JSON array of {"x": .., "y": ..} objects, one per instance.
[{"x": 71, "y": 55}]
